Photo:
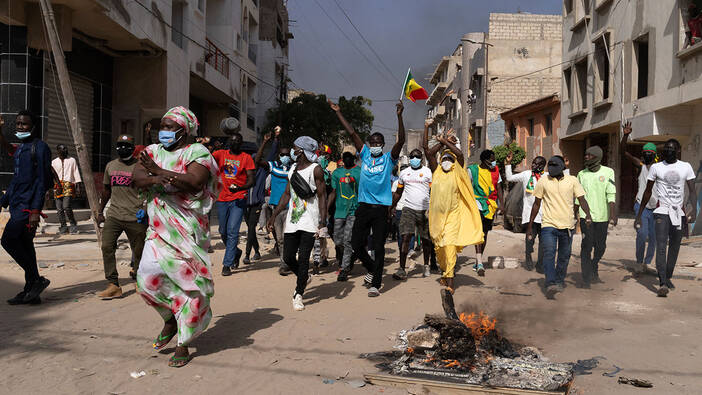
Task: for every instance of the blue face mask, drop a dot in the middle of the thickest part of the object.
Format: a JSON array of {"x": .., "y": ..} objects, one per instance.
[
  {"x": 415, "y": 163},
  {"x": 293, "y": 156},
  {"x": 285, "y": 160},
  {"x": 376, "y": 151},
  {"x": 22, "y": 135},
  {"x": 167, "y": 137},
  {"x": 493, "y": 164}
]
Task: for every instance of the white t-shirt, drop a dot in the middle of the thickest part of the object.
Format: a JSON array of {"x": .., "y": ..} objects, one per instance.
[
  {"x": 417, "y": 187},
  {"x": 670, "y": 184},
  {"x": 67, "y": 169},
  {"x": 303, "y": 214},
  {"x": 643, "y": 180}
]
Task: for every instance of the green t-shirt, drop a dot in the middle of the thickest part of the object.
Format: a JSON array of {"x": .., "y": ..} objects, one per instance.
[
  {"x": 600, "y": 189},
  {"x": 345, "y": 182},
  {"x": 125, "y": 200}
]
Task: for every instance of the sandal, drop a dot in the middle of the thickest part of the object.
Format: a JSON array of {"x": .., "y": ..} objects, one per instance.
[
  {"x": 132, "y": 274},
  {"x": 163, "y": 340},
  {"x": 178, "y": 362}
]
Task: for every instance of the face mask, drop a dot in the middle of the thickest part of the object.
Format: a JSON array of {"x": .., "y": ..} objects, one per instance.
[
  {"x": 415, "y": 163},
  {"x": 294, "y": 155},
  {"x": 285, "y": 160},
  {"x": 649, "y": 157},
  {"x": 592, "y": 163},
  {"x": 493, "y": 164},
  {"x": 376, "y": 151},
  {"x": 447, "y": 165},
  {"x": 22, "y": 135},
  {"x": 349, "y": 161},
  {"x": 555, "y": 171},
  {"x": 167, "y": 137},
  {"x": 125, "y": 152},
  {"x": 669, "y": 155}
]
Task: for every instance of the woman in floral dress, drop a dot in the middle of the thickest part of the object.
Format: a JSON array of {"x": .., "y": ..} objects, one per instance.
[{"x": 174, "y": 275}]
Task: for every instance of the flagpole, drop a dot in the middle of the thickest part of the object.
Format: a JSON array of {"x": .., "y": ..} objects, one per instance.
[{"x": 404, "y": 85}]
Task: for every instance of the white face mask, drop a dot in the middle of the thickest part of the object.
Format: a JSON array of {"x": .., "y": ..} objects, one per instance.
[{"x": 447, "y": 165}]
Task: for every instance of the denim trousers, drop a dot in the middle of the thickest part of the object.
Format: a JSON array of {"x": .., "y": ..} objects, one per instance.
[
  {"x": 556, "y": 241},
  {"x": 647, "y": 232},
  {"x": 668, "y": 239},
  {"x": 230, "y": 215},
  {"x": 343, "y": 230}
]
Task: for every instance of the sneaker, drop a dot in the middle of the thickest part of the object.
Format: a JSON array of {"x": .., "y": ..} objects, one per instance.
[
  {"x": 481, "y": 270},
  {"x": 560, "y": 287},
  {"x": 639, "y": 268},
  {"x": 551, "y": 291},
  {"x": 284, "y": 270},
  {"x": 62, "y": 230},
  {"x": 111, "y": 292},
  {"x": 256, "y": 257},
  {"x": 343, "y": 275},
  {"x": 297, "y": 302},
  {"x": 73, "y": 230},
  {"x": 368, "y": 280},
  {"x": 373, "y": 292},
  {"x": 670, "y": 285},
  {"x": 325, "y": 263},
  {"x": 427, "y": 270},
  {"x": 226, "y": 271},
  {"x": 37, "y": 288},
  {"x": 247, "y": 261},
  {"x": 237, "y": 258},
  {"x": 400, "y": 274},
  {"x": 663, "y": 291},
  {"x": 18, "y": 299}
]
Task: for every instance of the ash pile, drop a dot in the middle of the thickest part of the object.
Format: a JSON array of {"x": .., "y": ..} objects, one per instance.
[{"x": 469, "y": 349}]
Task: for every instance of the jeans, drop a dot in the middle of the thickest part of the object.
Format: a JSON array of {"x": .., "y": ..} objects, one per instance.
[
  {"x": 297, "y": 248},
  {"x": 230, "y": 215},
  {"x": 136, "y": 233},
  {"x": 594, "y": 238},
  {"x": 343, "y": 231},
  {"x": 64, "y": 209},
  {"x": 371, "y": 217},
  {"x": 252, "y": 215},
  {"x": 556, "y": 240},
  {"x": 666, "y": 235},
  {"x": 18, "y": 241},
  {"x": 529, "y": 245},
  {"x": 646, "y": 231}
]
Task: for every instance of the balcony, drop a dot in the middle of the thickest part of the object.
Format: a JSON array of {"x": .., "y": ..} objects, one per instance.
[
  {"x": 436, "y": 75},
  {"x": 437, "y": 113},
  {"x": 437, "y": 93},
  {"x": 253, "y": 51},
  {"x": 217, "y": 59}
]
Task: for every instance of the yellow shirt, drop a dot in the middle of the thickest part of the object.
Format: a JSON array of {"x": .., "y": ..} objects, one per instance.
[{"x": 557, "y": 201}]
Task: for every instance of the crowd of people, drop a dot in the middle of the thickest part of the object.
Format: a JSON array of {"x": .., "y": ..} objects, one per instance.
[{"x": 161, "y": 197}]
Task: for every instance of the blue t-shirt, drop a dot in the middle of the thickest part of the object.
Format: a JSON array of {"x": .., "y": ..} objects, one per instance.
[
  {"x": 279, "y": 180},
  {"x": 375, "y": 186}
]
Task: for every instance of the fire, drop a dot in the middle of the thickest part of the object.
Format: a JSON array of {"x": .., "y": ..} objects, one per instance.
[
  {"x": 479, "y": 324},
  {"x": 451, "y": 363},
  {"x": 410, "y": 350}
]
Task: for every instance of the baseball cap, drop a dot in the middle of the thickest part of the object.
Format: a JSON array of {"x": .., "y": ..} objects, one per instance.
[
  {"x": 649, "y": 147},
  {"x": 125, "y": 138}
]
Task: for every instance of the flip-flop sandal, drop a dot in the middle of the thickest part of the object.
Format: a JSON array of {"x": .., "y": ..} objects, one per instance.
[
  {"x": 164, "y": 340},
  {"x": 178, "y": 362}
]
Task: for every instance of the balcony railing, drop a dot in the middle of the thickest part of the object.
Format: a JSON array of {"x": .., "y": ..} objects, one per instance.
[
  {"x": 253, "y": 51},
  {"x": 217, "y": 59}
]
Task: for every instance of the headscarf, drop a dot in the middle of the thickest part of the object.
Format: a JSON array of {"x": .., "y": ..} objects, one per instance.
[
  {"x": 597, "y": 153},
  {"x": 183, "y": 117},
  {"x": 308, "y": 145}
]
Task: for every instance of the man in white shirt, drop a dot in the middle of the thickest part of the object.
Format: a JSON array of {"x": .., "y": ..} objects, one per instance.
[
  {"x": 669, "y": 178},
  {"x": 414, "y": 187},
  {"x": 67, "y": 186}
]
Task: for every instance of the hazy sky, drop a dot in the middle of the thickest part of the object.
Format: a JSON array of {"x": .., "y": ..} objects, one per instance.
[{"x": 404, "y": 33}]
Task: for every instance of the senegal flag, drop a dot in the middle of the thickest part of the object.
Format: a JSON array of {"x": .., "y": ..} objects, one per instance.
[{"x": 412, "y": 90}]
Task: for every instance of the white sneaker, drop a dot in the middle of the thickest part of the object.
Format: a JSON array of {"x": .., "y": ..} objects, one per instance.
[
  {"x": 427, "y": 271},
  {"x": 297, "y": 302}
]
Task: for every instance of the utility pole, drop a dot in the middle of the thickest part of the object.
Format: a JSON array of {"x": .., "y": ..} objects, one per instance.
[{"x": 72, "y": 110}]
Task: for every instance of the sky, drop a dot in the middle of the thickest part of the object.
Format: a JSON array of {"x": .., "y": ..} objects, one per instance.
[{"x": 403, "y": 33}]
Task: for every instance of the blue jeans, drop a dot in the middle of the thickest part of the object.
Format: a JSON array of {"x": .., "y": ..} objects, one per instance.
[
  {"x": 647, "y": 231},
  {"x": 230, "y": 215},
  {"x": 553, "y": 240}
]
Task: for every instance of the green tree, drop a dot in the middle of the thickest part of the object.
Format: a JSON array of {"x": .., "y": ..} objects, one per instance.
[
  {"x": 310, "y": 115},
  {"x": 518, "y": 153}
]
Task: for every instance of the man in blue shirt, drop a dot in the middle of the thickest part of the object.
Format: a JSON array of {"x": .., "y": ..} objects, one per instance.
[
  {"x": 25, "y": 199},
  {"x": 374, "y": 196},
  {"x": 279, "y": 181}
]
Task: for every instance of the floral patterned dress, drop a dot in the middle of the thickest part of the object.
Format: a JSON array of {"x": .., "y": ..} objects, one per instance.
[{"x": 175, "y": 272}]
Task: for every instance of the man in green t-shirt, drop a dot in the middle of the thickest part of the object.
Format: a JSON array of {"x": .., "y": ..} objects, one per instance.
[
  {"x": 600, "y": 193},
  {"x": 344, "y": 183},
  {"x": 121, "y": 215}
]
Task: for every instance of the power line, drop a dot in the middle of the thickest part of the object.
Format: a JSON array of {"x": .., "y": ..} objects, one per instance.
[{"x": 367, "y": 43}]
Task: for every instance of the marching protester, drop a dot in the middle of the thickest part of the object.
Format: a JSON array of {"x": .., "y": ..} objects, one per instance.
[
  {"x": 25, "y": 199},
  {"x": 557, "y": 191},
  {"x": 486, "y": 181},
  {"x": 374, "y": 196},
  {"x": 344, "y": 196},
  {"x": 454, "y": 216},
  {"x": 669, "y": 178},
  {"x": 279, "y": 169},
  {"x": 307, "y": 215},
  {"x": 414, "y": 187},
  {"x": 236, "y": 178},
  {"x": 125, "y": 203},
  {"x": 600, "y": 193},
  {"x": 647, "y": 230},
  {"x": 175, "y": 274},
  {"x": 321, "y": 252},
  {"x": 68, "y": 185}
]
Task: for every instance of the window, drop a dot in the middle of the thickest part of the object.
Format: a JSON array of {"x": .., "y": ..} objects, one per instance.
[
  {"x": 690, "y": 22},
  {"x": 641, "y": 66},
  {"x": 531, "y": 127},
  {"x": 568, "y": 6},
  {"x": 513, "y": 132},
  {"x": 177, "y": 13},
  {"x": 201, "y": 5},
  {"x": 567, "y": 82},
  {"x": 580, "y": 85},
  {"x": 602, "y": 68},
  {"x": 548, "y": 125}
]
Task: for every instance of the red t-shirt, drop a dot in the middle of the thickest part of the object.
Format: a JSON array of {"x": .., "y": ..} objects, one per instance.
[{"x": 232, "y": 170}]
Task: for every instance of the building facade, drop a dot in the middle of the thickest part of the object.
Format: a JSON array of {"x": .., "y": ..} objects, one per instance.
[{"x": 535, "y": 126}]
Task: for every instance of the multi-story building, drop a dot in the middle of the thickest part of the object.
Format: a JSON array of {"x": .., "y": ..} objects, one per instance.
[
  {"x": 534, "y": 126},
  {"x": 637, "y": 61},
  {"x": 129, "y": 61}
]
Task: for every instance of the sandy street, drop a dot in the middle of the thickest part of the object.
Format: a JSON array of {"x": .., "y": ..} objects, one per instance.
[{"x": 76, "y": 344}]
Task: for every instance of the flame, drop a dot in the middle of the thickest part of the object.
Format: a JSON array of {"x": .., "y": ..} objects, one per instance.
[
  {"x": 479, "y": 324},
  {"x": 410, "y": 350},
  {"x": 451, "y": 363}
]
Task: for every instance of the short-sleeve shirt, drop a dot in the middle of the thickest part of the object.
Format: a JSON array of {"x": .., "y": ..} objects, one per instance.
[
  {"x": 345, "y": 182},
  {"x": 279, "y": 180},
  {"x": 232, "y": 171},
  {"x": 376, "y": 173},
  {"x": 670, "y": 181},
  {"x": 558, "y": 200},
  {"x": 417, "y": 187},
  {"x": 600, "y": 190},
  {"x": 124, "y": 200}
]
